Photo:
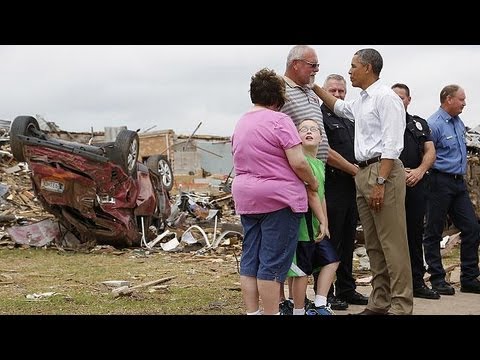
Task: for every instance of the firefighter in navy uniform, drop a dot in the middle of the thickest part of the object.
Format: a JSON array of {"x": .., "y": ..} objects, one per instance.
[
  {"x": 340, "y": 197},
  {"x": 418, "y": 156}
]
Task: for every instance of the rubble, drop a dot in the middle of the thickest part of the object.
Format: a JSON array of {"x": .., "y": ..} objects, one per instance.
[
  {"x": 473, "y": 180},
  {"x": 19, "y": 206},
  {"x": 213, "y": 214},
  {"x": 37, "y": 234}
]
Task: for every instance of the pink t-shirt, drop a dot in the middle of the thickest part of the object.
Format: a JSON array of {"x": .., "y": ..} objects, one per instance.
[{"x": 264, "y": 181}]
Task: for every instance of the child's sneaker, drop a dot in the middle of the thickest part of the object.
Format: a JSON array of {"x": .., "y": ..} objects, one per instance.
[
  {"x": 309, "y": 304},
  {"x": 321, "y": 310},
  {"x": 286, "y": 307}
]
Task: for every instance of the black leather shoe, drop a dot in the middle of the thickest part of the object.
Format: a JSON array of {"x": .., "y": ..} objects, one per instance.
[
  {"x": 444, "y": 288},
  {"x": 354, "y": 298},
  {"x": 471, "y": 287},
  {"x": 426, "y": 293},
  {"x": 336, "y": 303},
  {"x": 371, "y": 312}
]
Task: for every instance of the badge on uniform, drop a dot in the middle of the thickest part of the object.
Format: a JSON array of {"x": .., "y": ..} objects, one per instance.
[{"x": 418, "y": 125}]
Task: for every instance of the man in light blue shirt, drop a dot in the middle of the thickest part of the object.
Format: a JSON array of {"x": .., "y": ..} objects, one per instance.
[{"x": 447, "y": 194}]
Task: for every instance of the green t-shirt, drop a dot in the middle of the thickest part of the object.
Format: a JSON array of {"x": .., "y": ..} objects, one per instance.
[{"x": 318, "y": 169}]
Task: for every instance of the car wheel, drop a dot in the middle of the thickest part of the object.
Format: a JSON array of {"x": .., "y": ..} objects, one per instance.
[
  {"x": 125, "y": 152},
  {"x": 22, "y": 125},
  {"x": 160, "y": 165}
]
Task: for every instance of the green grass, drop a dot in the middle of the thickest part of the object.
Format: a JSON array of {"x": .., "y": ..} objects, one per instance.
[{"x": 200, "y": 287}]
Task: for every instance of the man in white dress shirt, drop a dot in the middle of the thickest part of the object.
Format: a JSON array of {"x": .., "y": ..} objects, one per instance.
[{"x": 379, "y": 117}]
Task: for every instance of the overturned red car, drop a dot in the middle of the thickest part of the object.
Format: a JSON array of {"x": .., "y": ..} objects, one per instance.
[{"x": 100, "y": 192}]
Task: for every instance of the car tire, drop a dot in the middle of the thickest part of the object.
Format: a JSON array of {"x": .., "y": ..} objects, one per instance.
[
  {"x": 125, "y": 151},
  {"x": 22, "y": 125},
  {"x": 160, "y": 165}
]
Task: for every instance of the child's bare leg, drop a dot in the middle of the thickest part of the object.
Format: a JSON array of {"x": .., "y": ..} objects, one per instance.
[
  {"x": 324, "y": 281},
  {"x": 299, "y": 289}
]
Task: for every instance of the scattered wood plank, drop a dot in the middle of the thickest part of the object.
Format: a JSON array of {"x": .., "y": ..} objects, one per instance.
[
  {"x": 234, "y": 288},
  {"x": 26, "y": 200},
  {"x": 452, "y": 241},
  {"x": 13, "y": 169},
  {"x": 195, "y": 260},
  {"x": 448, "y": 271},
  {"x": 364, "y": 281},
  {"x": 125, "y": 290},
  {"x": 7, "y": 218},
  {"x": 28, "y": 194}
]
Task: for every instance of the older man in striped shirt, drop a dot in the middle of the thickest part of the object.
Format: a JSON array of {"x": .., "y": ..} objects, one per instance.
[{"x": 302, "y": 103}]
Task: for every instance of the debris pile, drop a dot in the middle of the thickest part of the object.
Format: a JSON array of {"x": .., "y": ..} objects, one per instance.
[
  {"x": 473, "y": 180},
  {"x": 199, "y": 222},
  {"x": 18, "y": 204},
  {"x": 193, "y": 214}
]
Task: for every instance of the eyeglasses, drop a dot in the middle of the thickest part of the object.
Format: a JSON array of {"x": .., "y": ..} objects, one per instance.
[
  {"x": 313, "y": 65},
  {"x": 305, "y": 129}
]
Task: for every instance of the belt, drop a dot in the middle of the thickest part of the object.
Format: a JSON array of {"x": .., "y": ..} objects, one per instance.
[
  {"x": 454, "y": 176},
  {"x": 365, "y": 163}
]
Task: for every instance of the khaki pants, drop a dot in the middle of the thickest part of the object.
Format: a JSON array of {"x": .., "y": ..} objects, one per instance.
[{"x": 386, "y": 241}]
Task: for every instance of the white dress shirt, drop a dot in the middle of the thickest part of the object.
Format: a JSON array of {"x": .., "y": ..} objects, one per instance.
[{"x": 380, "y": 121}]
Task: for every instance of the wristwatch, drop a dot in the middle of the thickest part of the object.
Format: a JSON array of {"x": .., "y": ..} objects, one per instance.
[{"x": 380, "y": 180}]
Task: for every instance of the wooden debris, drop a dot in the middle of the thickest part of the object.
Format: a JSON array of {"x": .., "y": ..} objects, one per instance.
[
  {"x": 234, "y": 288},
  {"x": 448, "y": 271},
  {"x": 125, "y": 290},
  {"x": 196, "y": 259},
  {"x": 28, "y": 194},
  {"x": 364, "y": 281},
  {"x": 6, "y": 276},
  {"x": 161, "y": 288},
  {"x": 13, "y": 169},
  {"x": 6, "y": 153},
  {"x": 7, "y": 218},
  {"x": 452, "y": 241},
  {"x": 116, "y": 283}
]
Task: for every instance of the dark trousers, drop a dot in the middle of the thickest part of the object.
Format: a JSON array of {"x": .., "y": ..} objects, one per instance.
[
  {"x": 415, "y": 206},
  {"x": 342, "y": 221},
  {"x": 447, "y": 195}
]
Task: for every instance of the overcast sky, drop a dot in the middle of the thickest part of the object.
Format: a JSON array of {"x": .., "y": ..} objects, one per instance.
[{"x": 178, "y": 86}]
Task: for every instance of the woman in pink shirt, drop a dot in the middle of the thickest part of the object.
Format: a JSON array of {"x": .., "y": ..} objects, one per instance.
[{"x": 269, "y": 191}]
